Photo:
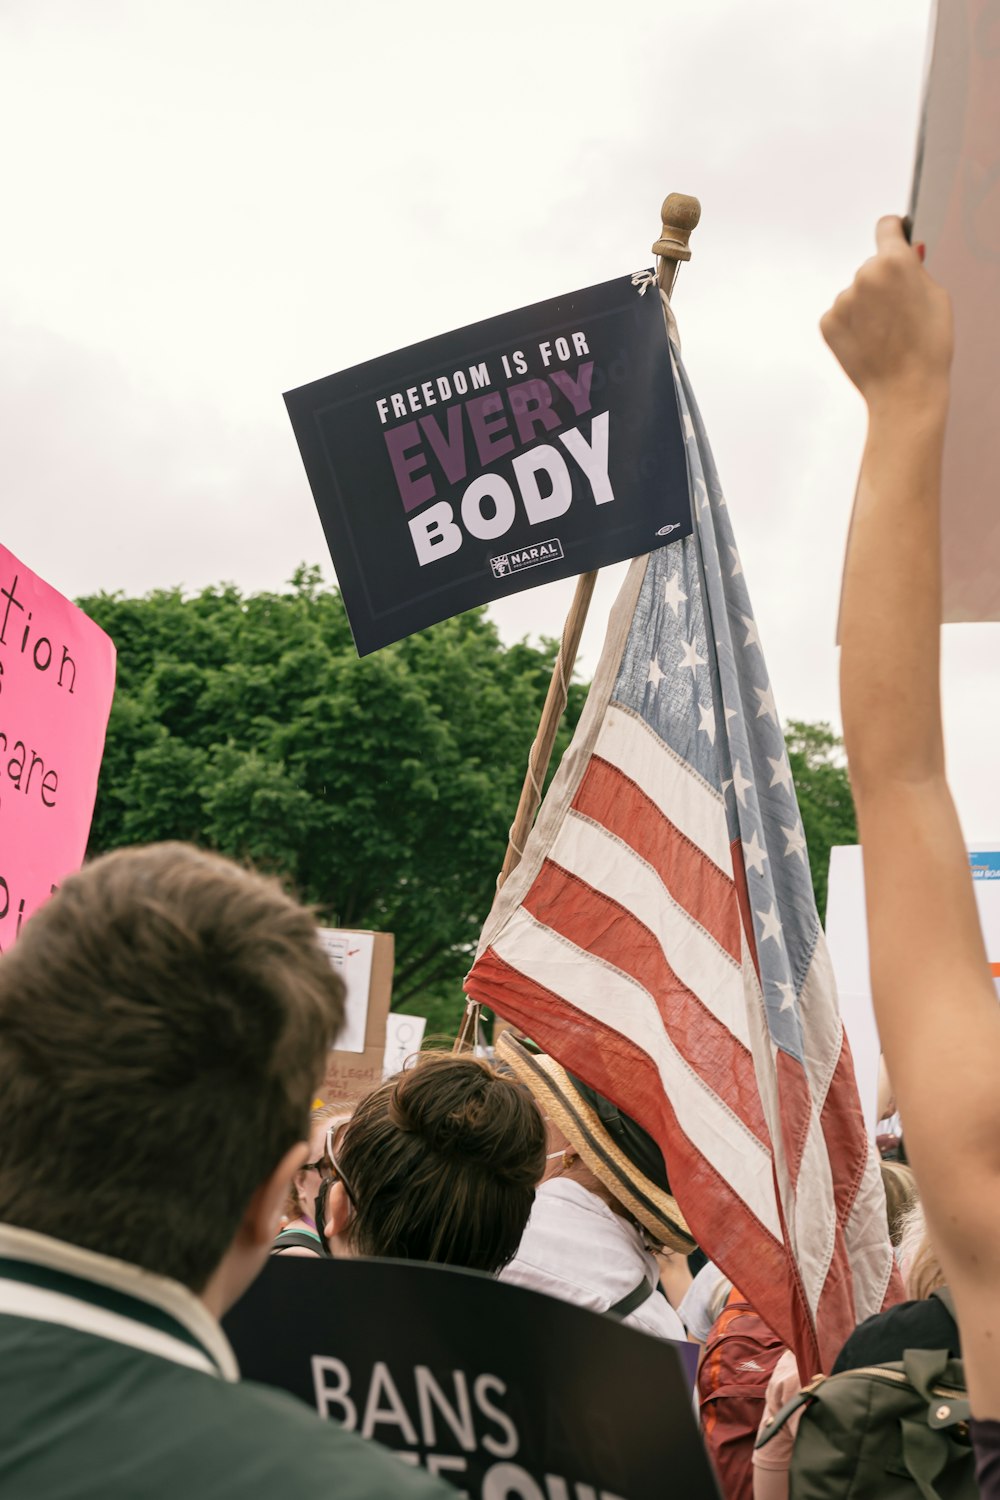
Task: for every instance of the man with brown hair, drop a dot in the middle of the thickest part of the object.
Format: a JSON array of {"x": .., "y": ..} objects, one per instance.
[{"x": 164, "y": 1022}]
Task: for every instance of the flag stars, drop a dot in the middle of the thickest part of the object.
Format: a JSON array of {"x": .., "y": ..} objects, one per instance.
[
  {"x": 690, "y": 657},
  {"x": 737, "y": 565},
  {"x": 753, "y": 639},
  {"x": 796, "y": 842},
  {"x": 754, "y": 855},
  {"x": 782, "y": 773},
  {"x": 770, "y": 925},
  {"x": 655, "y": 676},
  {"x": 673, "y": 594},
  {"x": 767, "y": 705},
  {"x": 707, "y": 722},
  {"x": 740, "y": 784},
  {"x": 688, "y": 425},
  {"x": 787, "y": 994}
]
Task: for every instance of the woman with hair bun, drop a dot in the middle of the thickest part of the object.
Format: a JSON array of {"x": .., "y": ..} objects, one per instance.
[{"x": 438, "y": 1164}]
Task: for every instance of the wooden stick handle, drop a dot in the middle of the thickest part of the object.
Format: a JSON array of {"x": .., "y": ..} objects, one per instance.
[
  {"x": 679, "y": 215},
  {"x": 548, "y": 725}
]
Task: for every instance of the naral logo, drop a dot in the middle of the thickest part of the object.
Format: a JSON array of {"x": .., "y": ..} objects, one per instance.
[
  {"x": 527, "y": 557},
  {"x": 666, "y": 530}
]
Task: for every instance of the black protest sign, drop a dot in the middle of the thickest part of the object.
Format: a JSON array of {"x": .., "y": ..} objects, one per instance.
[
  {"x": 501, "y": 1391},
  {"x": 530, "y": 447}
]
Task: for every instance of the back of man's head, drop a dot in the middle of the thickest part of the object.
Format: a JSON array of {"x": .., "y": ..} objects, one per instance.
[{"x": 164, "y": 1021}]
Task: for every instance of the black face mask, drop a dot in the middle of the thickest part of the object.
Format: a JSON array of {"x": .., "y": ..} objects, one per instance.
[{"x": 320, "y": 1215}]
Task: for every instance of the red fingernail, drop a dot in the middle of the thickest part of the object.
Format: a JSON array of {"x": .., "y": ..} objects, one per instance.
[{"x": 921, "y": 250}]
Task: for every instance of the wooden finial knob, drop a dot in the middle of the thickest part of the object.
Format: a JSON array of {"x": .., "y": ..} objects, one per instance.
[{"x": 679, "y": 216}]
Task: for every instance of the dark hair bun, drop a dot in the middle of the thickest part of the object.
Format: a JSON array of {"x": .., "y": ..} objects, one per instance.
[{"x": 461, "y": 1107}]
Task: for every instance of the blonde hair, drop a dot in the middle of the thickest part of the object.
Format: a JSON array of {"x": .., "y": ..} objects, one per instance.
[
  {"x": 921, "y": 1268},
  {"x": 900, "y": 1196}
]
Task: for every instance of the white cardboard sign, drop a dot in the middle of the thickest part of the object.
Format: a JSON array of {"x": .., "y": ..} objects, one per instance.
[
  {"x": 847, "y": 940},
  {"x": 350, "y": 953},
  {"x": 403, "y": 1037}
]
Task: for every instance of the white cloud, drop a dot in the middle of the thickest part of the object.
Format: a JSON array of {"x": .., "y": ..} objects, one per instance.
[{"x": 209, "y": 202}]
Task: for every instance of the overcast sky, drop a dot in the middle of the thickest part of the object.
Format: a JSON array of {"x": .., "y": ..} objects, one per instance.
[{"x": 207, "y": 203}]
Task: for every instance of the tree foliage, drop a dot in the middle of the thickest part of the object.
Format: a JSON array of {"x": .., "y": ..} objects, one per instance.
[
  {"x": 381, "y": 790},
  {"x": 819, "y": 768}
]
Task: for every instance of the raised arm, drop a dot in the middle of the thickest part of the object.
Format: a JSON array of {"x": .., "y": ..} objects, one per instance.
[{"x": 934, "y": 998}]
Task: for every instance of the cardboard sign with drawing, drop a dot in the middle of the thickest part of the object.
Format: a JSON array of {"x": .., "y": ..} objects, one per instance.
[{"x": 365, "y": 961}]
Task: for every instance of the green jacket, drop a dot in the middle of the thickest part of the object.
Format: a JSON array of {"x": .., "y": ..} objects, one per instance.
[{"x": 118, "y": 1384}]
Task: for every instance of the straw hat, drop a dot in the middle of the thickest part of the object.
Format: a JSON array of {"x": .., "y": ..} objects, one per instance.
[{"x": 617, "y": 1150}]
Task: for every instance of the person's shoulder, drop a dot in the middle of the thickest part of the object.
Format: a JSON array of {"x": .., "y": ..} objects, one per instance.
[
  {"x": 276, "y": 1435},
  {"x": 157, "y": 1428},
  {"x": 562, "y": 1197},
  {"x": 695, "y": 1305}
]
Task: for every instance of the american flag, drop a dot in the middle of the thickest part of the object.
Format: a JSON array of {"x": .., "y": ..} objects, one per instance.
[{"x": 660, "y": 938}]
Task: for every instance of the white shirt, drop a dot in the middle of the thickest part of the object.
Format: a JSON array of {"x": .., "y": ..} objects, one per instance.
[
  {"x": 695, "y": 1309},
  {"x": 577, "y": 1248}
]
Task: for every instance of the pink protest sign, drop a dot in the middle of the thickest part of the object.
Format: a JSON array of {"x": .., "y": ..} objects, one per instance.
[{"x": 57, "y": 679}]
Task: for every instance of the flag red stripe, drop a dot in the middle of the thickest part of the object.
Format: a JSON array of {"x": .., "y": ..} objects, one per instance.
[
  {"x": 847, "y": 1152},
  {"x": 616, "y": 1067},
  {"x": 835, "y": 1316},
  {"x": 612, "y": 799},
  {"x": 795, "y": 1107},
  {"x": 845, "y": 1134},
  {"x": 590, "y": 919}
]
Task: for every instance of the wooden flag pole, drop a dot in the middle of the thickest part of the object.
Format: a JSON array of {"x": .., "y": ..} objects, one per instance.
[{"x": 679, "y": 216}]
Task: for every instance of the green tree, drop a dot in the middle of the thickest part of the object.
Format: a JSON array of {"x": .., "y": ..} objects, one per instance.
[
  {"x": 819, "y": 767},
  {"x": 381, "y": 790}
]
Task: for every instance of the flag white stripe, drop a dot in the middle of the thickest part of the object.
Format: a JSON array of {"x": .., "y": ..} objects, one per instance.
[
  {"x": 620, "y": 1003},
  {"x": 687, "y": 801},
  {"x": 602, "y": 860},
  {"x": 822, "y": 1030},
  {"x": 871, "y": 1267},
  {"x": 808, "y": 1202},
  {"x": 813, "y": 1223},
  {"x": 869, "y": 1252}
]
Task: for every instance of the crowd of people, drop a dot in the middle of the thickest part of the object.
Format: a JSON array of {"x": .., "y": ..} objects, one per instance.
[{"x": 164, "y": 1022}]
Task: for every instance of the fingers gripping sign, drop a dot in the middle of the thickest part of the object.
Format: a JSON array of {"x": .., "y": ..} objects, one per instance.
[{"x": 892, "y": 329}]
